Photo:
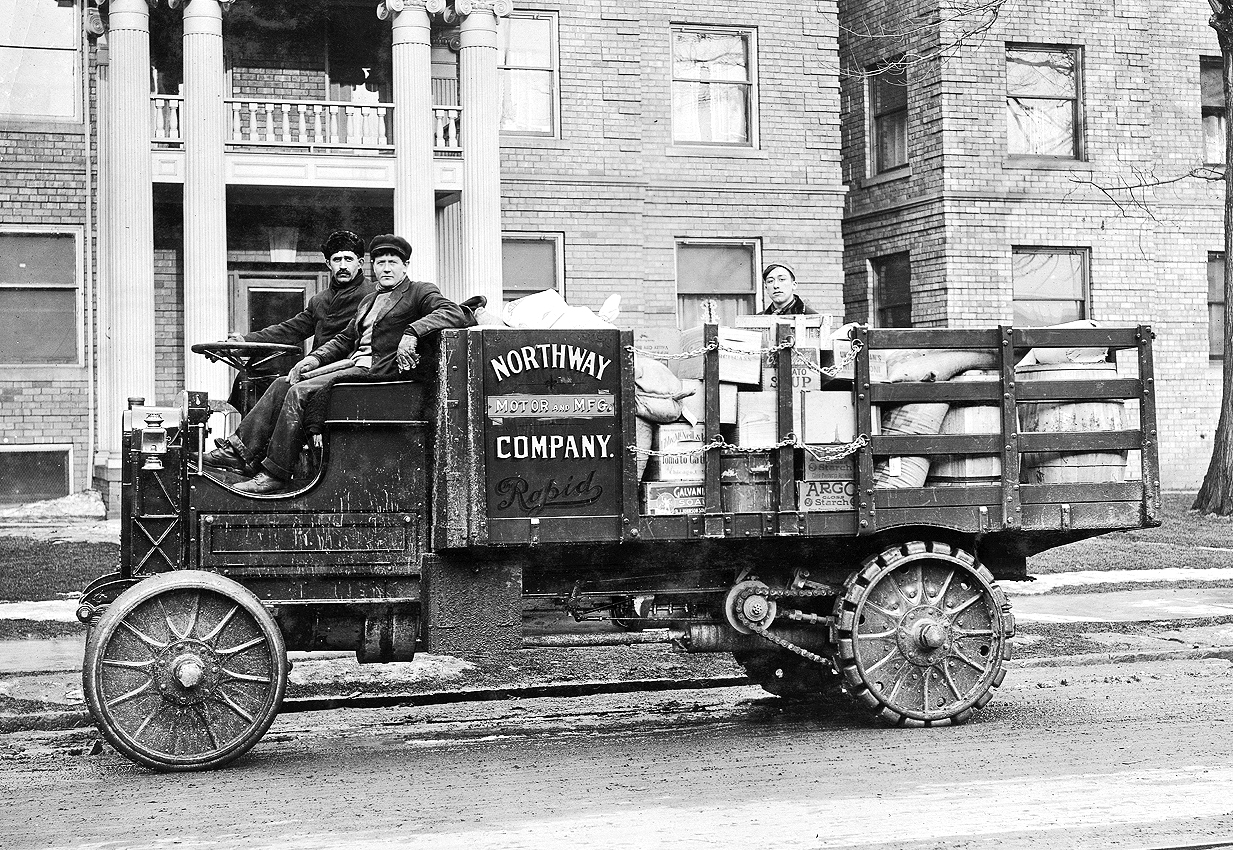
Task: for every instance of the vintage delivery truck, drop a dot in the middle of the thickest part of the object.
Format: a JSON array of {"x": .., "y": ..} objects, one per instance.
[{"x": 439, "y": 511}]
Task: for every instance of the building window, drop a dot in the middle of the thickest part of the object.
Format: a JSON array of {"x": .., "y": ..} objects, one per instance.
[
  {"x": 38, "y": 298},
  {"x": 713, "y": 100},
  {"x": 1211, "y": 83},
  {"x": 527, "y": 58},
  {"x": 892, "y": 290},
  {"x": 715, "y": 281},
  {"x": 1042, "y": 101},
  {"x": 1050, "y": 285},
  {"x": 39, "y": 67},
  {"x": 1215, "y": 305},
  {"x": 530, "y": 263},
  {"x": 888, "y": 118},
  {"x": 33, "y": 473}
]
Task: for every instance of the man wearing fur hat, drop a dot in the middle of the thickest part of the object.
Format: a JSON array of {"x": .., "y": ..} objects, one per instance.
[
  {"x": 327, "y": 312},
  {"x": 384, "y": 339}
]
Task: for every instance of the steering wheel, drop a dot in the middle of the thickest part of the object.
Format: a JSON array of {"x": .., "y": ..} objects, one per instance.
[{"x": 243, "y": 356}]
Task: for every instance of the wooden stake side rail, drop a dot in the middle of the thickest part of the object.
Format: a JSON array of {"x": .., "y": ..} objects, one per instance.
[{"x": 982, "y": 507}]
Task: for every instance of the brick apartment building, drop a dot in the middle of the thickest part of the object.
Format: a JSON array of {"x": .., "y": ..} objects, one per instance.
[
  {"x": 983, "y": 187},
  {"x": 167, "y": 174}
]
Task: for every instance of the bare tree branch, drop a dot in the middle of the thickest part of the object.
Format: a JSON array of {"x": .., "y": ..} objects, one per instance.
[{"x": 973, "y": 19}]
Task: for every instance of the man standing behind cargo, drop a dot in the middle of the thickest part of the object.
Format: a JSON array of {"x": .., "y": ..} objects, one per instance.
[
  {"x": 326, "y": 313},
  {"x": 382, "y": 340},
  {"x": 780, "y": 283}
]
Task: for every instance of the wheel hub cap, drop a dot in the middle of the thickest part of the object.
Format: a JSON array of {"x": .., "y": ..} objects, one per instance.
[
  {"x": 923, "y": 633},
  {"x": 188, "y": 671}
]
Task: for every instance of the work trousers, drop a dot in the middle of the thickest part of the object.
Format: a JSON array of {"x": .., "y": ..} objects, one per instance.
[{"x": 272, "y": 433}]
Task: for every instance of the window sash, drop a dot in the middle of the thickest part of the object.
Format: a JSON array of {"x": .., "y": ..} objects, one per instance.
[
  {"x": 40, "y": 325},
  {"x": 38, "y": 24},
  {"x": 890, "y": 148},
  {"x": 719, "y": 275},
  {"x": 30, "y": 474},
  {"x": 1215, "y": 306},
  {"x": 1049, "y": 286},
  {"x": 39, "y": 83},
  {"x": 1042, "y": 102},
  {"x": 528, "y": 102},
  {"x": 529, "y": 264},
  {"x": 711, "y": 113},
  {"x": 712, "y": 86},
  {"x": 527, "y": 71},
  {"x": 892, "y": 290}
]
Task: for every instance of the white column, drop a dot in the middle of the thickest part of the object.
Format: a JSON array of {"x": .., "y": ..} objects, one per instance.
[
  {"x": 105, "y": 402},
  {"x": 126, "y": 290},
  {"x": 414, "y": 195},
  {"x": 203, "y": 126},
  {"x": 481, "y": 147}
]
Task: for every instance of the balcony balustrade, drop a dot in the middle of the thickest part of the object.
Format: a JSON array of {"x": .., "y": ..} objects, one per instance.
[{"x": 316, "y": 125}]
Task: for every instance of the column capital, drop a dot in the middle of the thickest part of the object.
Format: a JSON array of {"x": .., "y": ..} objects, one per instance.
[
  {"x": 387, "y": 9},
  {"x": 175, "y": 4},
  {"x": 499, "y": 8},
  {"x": 171, "y": 4}
]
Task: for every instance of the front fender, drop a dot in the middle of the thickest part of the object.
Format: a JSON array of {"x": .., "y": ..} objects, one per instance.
[{"x": 100, "y": 593}]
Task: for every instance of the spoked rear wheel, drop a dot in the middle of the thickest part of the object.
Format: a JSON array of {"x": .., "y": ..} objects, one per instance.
[
  {"x": 922, "y": 633},
  {"x": 185, "y": 671}
]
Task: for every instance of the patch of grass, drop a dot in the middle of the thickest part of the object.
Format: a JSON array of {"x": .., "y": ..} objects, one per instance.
[
  {"x": 33, "y": 570},
  {"x": 1185, "y": 539},
  {"x": 38, "y": 629}
]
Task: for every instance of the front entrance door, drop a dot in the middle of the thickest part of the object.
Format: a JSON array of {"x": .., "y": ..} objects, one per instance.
[{"x": 262, "y": 298}]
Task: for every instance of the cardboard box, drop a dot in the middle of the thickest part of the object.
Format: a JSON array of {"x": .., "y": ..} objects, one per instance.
[
  {"x": 693, "y": 407},
  {"x": 822, "y": 496},
  {"x": 829, "y": 470},
  {"x": 828, "y": 416},
  {"x": 740, "y": 355},
  {"x": 804, "y": 376},
  {"x": 673, "y": 498},
  {"x": 661, "y": 341},
  {"x": 684, "y": 444},
  {"x": 757, "y": 419},
  {"x": 810, "y": 331}
]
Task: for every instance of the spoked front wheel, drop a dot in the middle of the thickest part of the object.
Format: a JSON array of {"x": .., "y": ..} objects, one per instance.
[
  {"x": 922, "y": 633},
  {"x": 185, "y": 671}
]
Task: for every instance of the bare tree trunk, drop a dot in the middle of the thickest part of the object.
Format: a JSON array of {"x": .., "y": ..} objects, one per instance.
[{"x": 1216, "y": 494}]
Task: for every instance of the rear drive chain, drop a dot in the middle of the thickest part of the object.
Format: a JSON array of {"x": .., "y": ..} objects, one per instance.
[{"x": 783, "y": 593}]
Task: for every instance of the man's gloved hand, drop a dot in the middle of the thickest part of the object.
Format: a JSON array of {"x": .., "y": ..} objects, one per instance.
[
  {"x": 408, "y": 357},
  {"x": 306, "y": 365},
  {"x": 235, "y": 337}
]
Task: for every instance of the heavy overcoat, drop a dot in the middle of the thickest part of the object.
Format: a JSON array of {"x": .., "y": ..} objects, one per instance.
[{"x": 416, "y": 307}]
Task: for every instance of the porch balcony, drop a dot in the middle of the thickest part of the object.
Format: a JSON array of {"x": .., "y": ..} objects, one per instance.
[{"x": 307, "y": 142}]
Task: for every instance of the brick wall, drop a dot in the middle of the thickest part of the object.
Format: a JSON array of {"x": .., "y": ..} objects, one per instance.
[
  {"x": 42, "y": 178},
  {"x": 967, "y": 204},
  {"x": 622, "y": 192}
]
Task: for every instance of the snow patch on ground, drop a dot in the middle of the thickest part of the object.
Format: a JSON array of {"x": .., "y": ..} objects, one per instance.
[
  {"x": 87, "y": 503},
  {"x": 60, "y": 610},
  {"x": 1047, "y": 583},
  {"x": 425, "y": 667}
]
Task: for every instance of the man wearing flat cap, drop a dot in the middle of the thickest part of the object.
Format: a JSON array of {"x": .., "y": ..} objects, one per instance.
[
  {"x": 327, "y": 312},
  {"x": 780, "y": 282},
  {"x": 383, "y": 340}
]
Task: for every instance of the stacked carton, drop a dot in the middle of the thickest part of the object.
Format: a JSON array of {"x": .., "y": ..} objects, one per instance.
[{"x": 749, "y": 417}]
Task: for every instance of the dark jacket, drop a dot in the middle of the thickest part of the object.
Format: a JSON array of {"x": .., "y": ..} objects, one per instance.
[
  {"x": 796, "y": 308},
  {"x": 415, "y": 306},
  {"x": 323, "y": 319}
]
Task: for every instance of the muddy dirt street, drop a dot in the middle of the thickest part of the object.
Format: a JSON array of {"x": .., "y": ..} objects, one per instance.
[{"x": 1130, "y": 755}]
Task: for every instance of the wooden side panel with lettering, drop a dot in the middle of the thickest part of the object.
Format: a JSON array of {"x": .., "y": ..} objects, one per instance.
[{"x": 553, "y": 439}]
